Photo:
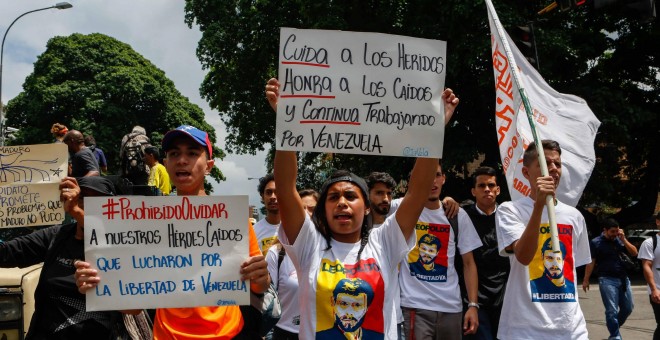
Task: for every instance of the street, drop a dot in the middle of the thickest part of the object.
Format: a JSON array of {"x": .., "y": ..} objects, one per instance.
[{"x": 640, "y": 324}]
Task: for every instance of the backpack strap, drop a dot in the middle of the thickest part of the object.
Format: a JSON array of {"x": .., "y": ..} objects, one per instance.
[
  {"x": 454, "y": 226},
  {"x": 280, "y": 258}
]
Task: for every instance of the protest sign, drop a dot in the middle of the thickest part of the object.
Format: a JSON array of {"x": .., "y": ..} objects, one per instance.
[
  {"x": 29, "y": 184},
  {"x": 172, "y": 251},
  {"x": 360, "y": 93}
]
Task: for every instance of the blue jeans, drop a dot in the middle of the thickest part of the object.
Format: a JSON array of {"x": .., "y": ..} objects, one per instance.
[{"x": 618, "y": 301}]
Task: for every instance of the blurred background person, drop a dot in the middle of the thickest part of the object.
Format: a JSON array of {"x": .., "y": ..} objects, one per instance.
[
  {"x": 158, "y": 176},
  {"x": 90, "y": 142},
  {"x": 83, "y": 162}
]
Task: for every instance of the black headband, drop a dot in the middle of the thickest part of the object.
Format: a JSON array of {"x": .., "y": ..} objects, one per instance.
[{"x": 348, "y": 178}]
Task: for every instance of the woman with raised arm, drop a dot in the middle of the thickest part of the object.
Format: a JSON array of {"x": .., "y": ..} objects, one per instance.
[{"x": 347, "y": 272}]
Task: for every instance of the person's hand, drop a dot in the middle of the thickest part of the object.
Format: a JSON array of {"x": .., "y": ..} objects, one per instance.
[
  {"x": 450, "y": 206},
  {"x": 655, "y": 296},
  {"x": 544, "y": 186},
  {"x": 621, "y": 235},
  {"x": 470, "y": 321},
  {"x": 255, "y": 269},
  {"x": 86, "y": 277},
  {"x": 585, "y": 285},
  {"x": 273, "y": 92},
  {"x": 69, "y": 193},
  {"x": 450, "y": 100}
]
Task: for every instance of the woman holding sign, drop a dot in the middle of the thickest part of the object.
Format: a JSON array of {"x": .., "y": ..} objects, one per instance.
[{"x": 347, "y": 272}]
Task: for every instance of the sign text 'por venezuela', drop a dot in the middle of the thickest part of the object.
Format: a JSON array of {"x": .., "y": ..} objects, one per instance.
[
  {"x": 154, "y": 252},
  {"x": 360, "y": 93}
]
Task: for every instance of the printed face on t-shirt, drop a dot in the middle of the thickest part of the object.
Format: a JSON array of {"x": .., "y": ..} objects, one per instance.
[
  {"x": 427, "y": 253},
  {"x": 349, "y": 311},
  {"x": 554, "y": 264}
]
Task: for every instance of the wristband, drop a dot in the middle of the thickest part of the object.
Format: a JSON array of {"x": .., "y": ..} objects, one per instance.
[{"x": 473, "y": 304}]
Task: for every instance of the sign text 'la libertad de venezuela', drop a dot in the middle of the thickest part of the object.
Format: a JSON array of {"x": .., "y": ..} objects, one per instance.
[
  {"x": 155, "y": 252},
  {"x": 360, "y": 93}
]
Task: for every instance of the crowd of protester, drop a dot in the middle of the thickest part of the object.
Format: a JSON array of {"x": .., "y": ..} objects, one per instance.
[{"x": 415, "y": 267}]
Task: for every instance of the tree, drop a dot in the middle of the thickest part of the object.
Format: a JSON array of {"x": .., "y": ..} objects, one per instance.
[
  {"x": 609, "y": 60},
  {"x": 100, "y": 86}
]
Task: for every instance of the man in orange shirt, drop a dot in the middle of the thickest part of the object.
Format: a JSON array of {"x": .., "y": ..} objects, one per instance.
[{"x": 188, "y": 159}]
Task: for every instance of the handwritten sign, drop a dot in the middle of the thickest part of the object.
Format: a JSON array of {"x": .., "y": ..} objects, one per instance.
[
  {"x": 360, "y": 93},
  {"x": 154, "y": 252},
  {"x": 29, "y": 184}
]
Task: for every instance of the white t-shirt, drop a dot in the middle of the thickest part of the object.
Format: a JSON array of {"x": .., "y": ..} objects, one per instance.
[
  {"x": 266, "y": 234},
  {"x": 534, "y": 307},
  {"x": 430, "y": 281},
  {"x": 324, "y": 274},
  {"x": 285, "y": 279},
  {"x": 646, "y": 253}
]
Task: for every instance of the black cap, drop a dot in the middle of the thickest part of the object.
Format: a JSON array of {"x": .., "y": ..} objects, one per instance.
[{"x": 100, "y": 184}]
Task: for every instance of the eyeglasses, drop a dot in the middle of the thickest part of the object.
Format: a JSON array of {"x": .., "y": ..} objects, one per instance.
[{"x": 484, "y": 185}]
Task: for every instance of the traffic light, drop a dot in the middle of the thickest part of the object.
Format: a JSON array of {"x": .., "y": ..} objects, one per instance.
[{"x": 524, "y": 39}]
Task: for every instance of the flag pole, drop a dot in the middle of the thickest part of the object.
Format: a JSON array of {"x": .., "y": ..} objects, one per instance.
[{"x": 549, "y": 200}]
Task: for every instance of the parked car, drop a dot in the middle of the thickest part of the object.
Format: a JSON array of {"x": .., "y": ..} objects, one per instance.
[
  {"x": 642, "y": 232},
  {"x": 17, "y": 286}
]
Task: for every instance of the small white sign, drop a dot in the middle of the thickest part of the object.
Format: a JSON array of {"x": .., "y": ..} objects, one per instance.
[{"x": 30, "y": 176}]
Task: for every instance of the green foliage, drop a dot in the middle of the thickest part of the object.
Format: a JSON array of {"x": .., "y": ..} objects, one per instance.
[
  {"x": 100, "y": 86},
  {"x": 609, "y": 60}
]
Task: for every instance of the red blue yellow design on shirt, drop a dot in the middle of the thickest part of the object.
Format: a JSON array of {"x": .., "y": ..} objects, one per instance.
[
  {"x": 349, "y": 300},
  {"x": 428, "y": 260},
  {"x": 551, "y": 274}
]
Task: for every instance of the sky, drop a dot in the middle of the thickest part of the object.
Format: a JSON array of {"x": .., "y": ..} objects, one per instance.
[{"x": 155, "y": 29}]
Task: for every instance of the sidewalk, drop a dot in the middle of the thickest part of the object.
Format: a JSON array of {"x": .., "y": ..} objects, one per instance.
[{"x": 640, "y": 324}]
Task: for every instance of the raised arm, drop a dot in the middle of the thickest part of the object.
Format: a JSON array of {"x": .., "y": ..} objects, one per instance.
[
  {"x": 285, "y": 168},
  {"x": 525, "y": 247},
  {"x": 419, "y": 188},
  {"x": 421, "y": 178}
]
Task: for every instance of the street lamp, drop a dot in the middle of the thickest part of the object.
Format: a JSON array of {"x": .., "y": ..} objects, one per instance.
[{"x": 59, "y": 5}]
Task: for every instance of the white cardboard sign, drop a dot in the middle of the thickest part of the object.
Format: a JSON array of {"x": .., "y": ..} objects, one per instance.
[
  {"x": 167, "y": 251},
  {"x": 360, "y": 93},
  {"x": 30, "y": 176}
]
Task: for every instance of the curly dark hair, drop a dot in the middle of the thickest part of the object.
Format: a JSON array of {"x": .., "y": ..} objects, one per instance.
[
  {"x": 263, "y": 182},
  {"x": 380, "y": 177}
]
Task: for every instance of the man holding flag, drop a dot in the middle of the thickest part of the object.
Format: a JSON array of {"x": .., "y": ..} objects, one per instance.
[
  {"x": 530, "y": 310},
  {"x": 542, "y": 245}
]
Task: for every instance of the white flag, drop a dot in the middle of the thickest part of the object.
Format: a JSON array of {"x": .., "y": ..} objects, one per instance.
[{"x": 564, "y": 118}]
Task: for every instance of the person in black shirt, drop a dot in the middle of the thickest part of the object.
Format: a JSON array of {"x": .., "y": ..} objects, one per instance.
[
  {"x": 493, "y": 269},
  {"x": 613, "y": 280},
  {"x": 59, "y": 308},
  {"x": 83, "y": 161}
]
